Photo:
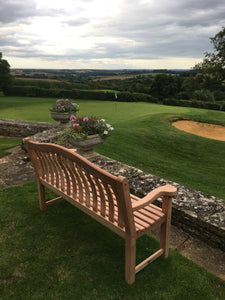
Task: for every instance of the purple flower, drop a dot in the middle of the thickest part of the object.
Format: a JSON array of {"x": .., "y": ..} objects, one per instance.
[{"x": 64, "y": 105}]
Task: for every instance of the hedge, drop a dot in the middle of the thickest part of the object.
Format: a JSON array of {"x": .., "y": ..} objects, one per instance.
[
  {"x": 34, "y": 91},
  {"x": 194, "y": 103}
]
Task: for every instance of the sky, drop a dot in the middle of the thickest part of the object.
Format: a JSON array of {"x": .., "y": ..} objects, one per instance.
[{"x": 108, "y": 34}]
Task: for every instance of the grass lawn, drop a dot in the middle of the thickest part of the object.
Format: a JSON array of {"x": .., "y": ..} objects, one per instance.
[
  {"x": 144, "y": 137},
  {"x": 7, "y": 143},
  {"x": 64, "y": 254}
]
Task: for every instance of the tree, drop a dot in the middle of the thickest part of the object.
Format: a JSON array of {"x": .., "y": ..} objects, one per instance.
[
  {"x": 5, "y": 77},
  {"x": 213, "y": 65},
  {"x": 165, "y": 86},
  {"x": 204, "y": 95}
]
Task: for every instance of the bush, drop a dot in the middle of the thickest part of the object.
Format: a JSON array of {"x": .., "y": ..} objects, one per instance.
[
  {"x": 141, "y": 97},
  {"x": 219, "y": 95},
  {"x": 206, "y": 105},
  {"x": 184, "y": 95},
  {"x": 34, "y": 91},
  {"x": 176, "y": 102},
  {"x": 126, "y": 97},
  {"x": 203, "y": 95},
  {"x": 222, "y": 107},
  {"x": 97, "y": 95},
  {"x": 27, "y": 91},
  {"x": 48, "y": 84},
  {"x": 193, "y": 103}
]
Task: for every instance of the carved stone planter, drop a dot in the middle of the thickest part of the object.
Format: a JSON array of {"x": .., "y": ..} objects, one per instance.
[
  {"x": 62, "y": 117},
  {"x": 85, "y": 146}
]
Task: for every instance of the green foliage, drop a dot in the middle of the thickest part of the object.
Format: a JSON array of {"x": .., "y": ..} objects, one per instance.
[
  {"x": 176, "y": 102},
  {"x": 48, "y": 84},
  {"x": 219, "y": 95},
  {"x": 192, "y": 83},
  {"x": 140, "y": 97},
  {"x": 193, "y": 103},
  {"x": 85, "y": 126},
  {"x": 214, "y": 63},
  {"x": 5, "y": 77},
  {"x": 65, "y": 254},
  {"x": 32, "y": 91},
  {"x": 165, "y": 86},
  {"x": 203, "y": 95}
]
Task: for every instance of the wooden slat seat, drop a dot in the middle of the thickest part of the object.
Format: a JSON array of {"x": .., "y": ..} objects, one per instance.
[{"x": 104, "y": 197}]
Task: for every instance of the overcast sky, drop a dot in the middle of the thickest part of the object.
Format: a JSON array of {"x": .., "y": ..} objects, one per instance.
[{"x": 108, "y": 34}]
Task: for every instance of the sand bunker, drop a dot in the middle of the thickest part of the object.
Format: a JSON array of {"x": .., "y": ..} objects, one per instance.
[{"x": 209, "y": 131}]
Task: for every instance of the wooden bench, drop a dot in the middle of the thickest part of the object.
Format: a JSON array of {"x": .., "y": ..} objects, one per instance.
[{"x": 104, "y": 197}]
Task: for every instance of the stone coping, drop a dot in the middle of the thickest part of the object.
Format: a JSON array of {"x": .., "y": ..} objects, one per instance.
[{"x": 197, "y": 213}]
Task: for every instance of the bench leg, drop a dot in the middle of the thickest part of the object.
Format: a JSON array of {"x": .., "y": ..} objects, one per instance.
[
  {"x": 42, "y": 201},
  {"x": 165, "y": 227},
  {"x": 164, "y": 239},
  {"x": 130, "y": 260}
]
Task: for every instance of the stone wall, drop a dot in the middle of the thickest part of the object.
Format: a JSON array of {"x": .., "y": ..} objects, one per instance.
[
  {"x": 199, "y": 214},
  {"x": 16, "y": 128}
]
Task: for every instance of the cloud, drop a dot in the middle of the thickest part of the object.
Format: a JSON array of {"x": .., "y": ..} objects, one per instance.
[
  {"x": 77, "y": 21},
  {"x": 11, "y": 10},
  {"x": 109, "y": 30},
  {"x": 177, "y": 28},
  {"x": 14, "y": 10}
]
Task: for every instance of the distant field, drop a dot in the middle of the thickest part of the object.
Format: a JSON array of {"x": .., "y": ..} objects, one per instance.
[
  {"x": 38, "y": 79},
  {"x": 122, "y": 77},
  {"x": 115, "y": 77},
  {"x": 144, "y": 138}
]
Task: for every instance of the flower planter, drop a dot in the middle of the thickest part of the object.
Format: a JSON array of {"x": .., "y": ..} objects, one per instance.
[
  {"x": 62, "y": 117},
  {"x": 85, "y": 146}
]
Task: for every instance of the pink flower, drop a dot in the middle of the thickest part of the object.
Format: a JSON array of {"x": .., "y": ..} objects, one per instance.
[
  {"x": 85, "y": 119},
  {"x": 72, "y": 118}
]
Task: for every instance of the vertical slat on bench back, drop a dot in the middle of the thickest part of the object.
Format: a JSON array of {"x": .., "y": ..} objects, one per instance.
[{"x": 86, "y": 183}]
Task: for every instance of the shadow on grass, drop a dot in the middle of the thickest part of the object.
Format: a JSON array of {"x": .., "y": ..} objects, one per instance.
[{"x": 64, "y": 254}]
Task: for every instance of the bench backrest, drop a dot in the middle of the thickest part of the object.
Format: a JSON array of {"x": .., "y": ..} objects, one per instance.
[{"x": 101, "y": 192}]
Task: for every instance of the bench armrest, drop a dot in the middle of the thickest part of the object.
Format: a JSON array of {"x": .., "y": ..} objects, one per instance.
[{"x": 166, "y": 190}]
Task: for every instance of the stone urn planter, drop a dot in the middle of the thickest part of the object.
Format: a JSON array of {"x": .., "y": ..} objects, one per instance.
[
  {"x": 62, "y": 117},
  {"x": 85, "y": 146},
  {"x": 63, "y": 109}
]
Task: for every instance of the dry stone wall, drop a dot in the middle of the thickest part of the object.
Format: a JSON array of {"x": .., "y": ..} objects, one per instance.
[
  {"x": 16, "y": 128},
  {"x": 197, "y": 213}
]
